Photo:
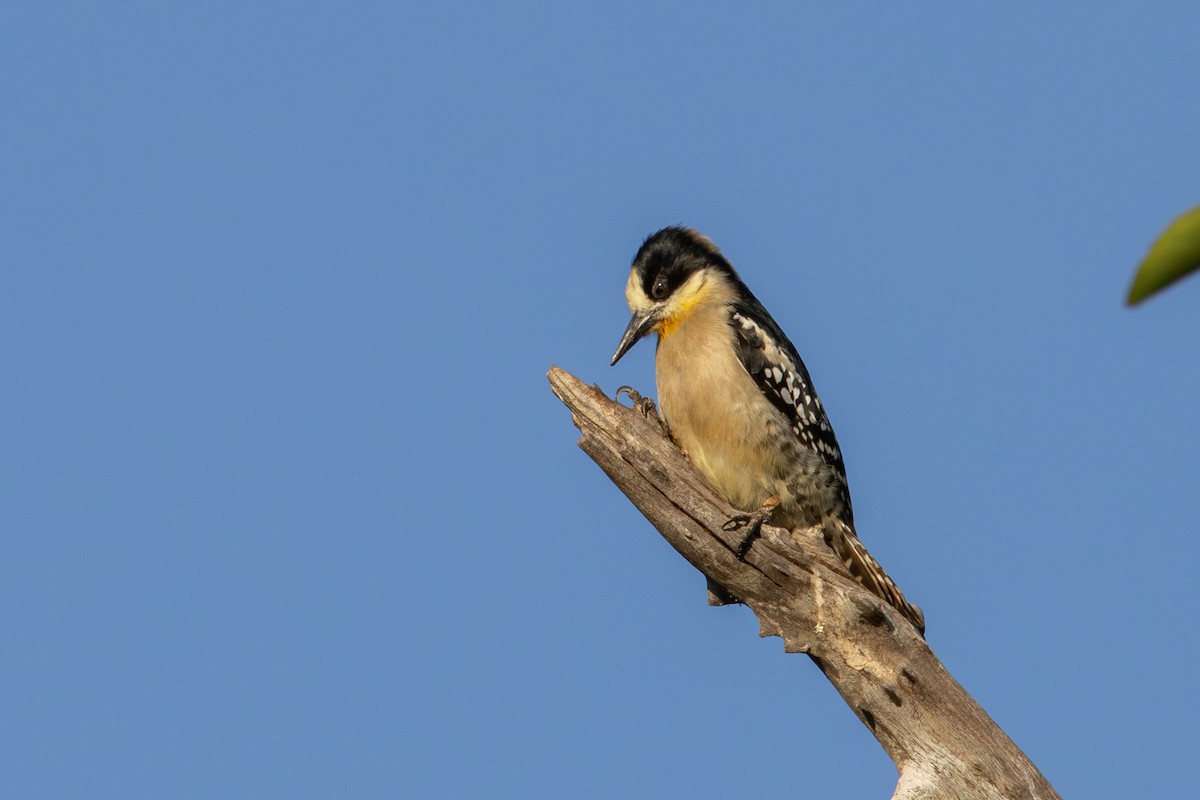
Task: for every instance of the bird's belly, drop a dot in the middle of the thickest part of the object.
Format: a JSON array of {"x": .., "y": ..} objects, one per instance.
[
  {"x": 737, "y": 438},
  {"x": 728, "y": 430}
]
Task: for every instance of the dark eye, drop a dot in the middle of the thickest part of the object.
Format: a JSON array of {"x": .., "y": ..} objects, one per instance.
[{"x": 660, "y": 288}]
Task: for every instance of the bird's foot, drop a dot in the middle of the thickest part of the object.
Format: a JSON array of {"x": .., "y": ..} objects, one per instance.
[
  {"x": 754, "y": 521},
  {"x": 642, "y": 404}
]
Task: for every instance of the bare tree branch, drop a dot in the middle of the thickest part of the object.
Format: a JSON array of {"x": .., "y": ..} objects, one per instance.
[{"x": 943, "y": 744}]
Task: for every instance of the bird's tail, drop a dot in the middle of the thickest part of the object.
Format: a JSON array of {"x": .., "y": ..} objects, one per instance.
[{"x": 866, "y": 570}]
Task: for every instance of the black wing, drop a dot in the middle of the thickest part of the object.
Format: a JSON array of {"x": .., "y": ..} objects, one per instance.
[{"x": 775, "y": 366}]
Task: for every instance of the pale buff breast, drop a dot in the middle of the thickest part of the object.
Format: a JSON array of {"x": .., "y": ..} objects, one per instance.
[{"x": 715, "y": 411}]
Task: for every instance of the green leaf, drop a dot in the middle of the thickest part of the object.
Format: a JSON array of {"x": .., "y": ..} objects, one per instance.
[{"x": 1174, "y": 254}]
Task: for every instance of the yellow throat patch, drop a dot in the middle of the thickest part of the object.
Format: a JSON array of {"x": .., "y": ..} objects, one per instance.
[{"x": 683, "y": 308}]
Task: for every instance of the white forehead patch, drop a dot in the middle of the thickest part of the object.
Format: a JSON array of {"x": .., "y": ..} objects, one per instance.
[{"x": 634, "y": 295}]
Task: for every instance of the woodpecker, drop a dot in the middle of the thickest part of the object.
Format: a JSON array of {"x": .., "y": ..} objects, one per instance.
[{"x": 738, "y": 400}]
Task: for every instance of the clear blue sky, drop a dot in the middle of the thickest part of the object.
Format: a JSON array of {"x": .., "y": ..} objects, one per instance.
[{"x": 288, "y": 509}]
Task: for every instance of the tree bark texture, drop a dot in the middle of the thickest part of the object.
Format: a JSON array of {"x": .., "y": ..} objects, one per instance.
[{"x": 943, "y": 744}]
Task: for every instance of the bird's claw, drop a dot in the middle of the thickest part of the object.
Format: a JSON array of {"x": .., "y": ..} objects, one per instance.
[{"x": 642, "y": 404}]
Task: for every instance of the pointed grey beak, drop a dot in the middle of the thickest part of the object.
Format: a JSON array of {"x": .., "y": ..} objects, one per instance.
[{"x": 638, "y": 327}]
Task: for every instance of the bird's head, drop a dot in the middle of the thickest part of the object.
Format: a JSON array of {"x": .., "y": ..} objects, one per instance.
[{"x": 675, "y": 272}]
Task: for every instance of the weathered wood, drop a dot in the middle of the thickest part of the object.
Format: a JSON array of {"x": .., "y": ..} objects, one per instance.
[{"x": 943, "y": 744}]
